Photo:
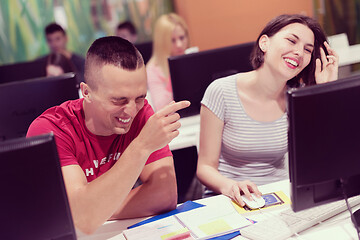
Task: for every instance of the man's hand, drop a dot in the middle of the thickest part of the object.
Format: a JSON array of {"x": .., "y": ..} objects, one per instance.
[{"x": 162, "y": 127}]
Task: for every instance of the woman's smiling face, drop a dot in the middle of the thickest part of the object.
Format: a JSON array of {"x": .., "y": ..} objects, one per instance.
[{"x": 289, "y": 51}]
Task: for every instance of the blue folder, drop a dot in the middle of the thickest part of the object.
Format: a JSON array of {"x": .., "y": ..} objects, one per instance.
[{"x": 186, "y": 206}]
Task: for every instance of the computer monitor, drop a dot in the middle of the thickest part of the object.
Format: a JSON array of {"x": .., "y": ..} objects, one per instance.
[
  {"x": 145, "y": 48},
  {"x": 192, "y": 73},
  {"x": 22, "y": 101},
  {"x": 324, "y": 142},
  {"x": 33, "y": 203},
  {"x": 22, "y": 70}
]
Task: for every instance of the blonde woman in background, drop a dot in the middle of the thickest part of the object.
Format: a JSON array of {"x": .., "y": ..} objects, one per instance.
[{"x": 170, "y": 38}]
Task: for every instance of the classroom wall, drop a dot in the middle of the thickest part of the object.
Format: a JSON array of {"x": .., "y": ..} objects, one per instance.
[
  {"x": 218, "y": 23},
  {"x": 22, "y": 23}
]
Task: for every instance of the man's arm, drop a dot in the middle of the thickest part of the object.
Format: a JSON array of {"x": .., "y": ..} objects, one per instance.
[
  {"x": 158, "y": 192},
  {"x": 94, "y": 203}
]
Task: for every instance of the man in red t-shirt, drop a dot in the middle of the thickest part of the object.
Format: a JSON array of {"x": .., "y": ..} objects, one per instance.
[{"x": 112, "y": 137}]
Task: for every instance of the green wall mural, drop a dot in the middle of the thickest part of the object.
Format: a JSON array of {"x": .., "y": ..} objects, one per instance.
[{"x": 22, "y": 23}]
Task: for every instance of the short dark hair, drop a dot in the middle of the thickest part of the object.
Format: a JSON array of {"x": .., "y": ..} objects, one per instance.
[
  {"x": 307, "y": 75},
  {"x": 54, "y": 27},
  {"x": 111, "y": 50},
  {"x": 127, "y": 25}
]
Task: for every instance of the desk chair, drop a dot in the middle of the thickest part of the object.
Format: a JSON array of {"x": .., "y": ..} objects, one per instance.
[
  {"x": 145, "y": 49},
  {"x": 185, "y": 161}
]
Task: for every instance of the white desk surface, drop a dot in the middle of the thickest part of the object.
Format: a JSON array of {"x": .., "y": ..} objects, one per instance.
[
  {"x": 338, "y": 227},
  {"x": 189, "y": 133}
]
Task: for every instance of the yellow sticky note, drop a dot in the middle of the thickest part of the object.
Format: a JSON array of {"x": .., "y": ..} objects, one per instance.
[
  {"x": 183, "y": 230},
  {"x": 214, "y": 227}
]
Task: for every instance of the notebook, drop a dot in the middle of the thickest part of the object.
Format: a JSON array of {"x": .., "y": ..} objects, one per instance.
[{"x": 217, "y": 218}]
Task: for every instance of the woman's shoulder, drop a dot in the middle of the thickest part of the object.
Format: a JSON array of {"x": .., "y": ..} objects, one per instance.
[
  {"x": 245, "y": 79},
  {"x": 224, "y": 83},
  {"x": 244, "y": 76},
  {"x": 153, "y": 65},
  {"x": 225, "y": 80},
  {"x": 150, "y": 64}
]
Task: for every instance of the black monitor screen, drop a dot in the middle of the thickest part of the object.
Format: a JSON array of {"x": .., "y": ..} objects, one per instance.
[
  {"x": 145, "y": 49},
  {"x": 22, "y": 101},
  {"x": 22, "y": 70},
  {"x": 191, "y": 74},
  {"x": 324, "y": 142},
  {"x": 33, "y": 203}
]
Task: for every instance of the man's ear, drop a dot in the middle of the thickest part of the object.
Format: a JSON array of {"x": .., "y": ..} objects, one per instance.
[
  {"x": 85, "y": 91},
  {"x": 264, "y": 43}
]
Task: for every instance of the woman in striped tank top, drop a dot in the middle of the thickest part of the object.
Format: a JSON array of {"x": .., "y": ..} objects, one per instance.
[{"x": 243, "y": 136}]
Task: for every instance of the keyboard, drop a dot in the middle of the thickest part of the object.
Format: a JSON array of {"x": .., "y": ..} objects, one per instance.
[{"x": 288, "y": 222}]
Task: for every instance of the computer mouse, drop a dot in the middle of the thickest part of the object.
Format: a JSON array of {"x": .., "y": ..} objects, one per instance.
[
  {"x": 357, "y": 217},
  {"x": 256, "y": 203}
]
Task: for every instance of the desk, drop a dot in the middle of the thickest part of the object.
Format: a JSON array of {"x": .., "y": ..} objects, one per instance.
[
  {"x": 338, "y": 227},
  {"x": 189, "y": 133}
]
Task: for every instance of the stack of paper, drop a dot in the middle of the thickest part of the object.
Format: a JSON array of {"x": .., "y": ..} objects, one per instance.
[
  {"x": 213, "y": 220},
  {"x": 217, "y": 218},
  {"x": 161, "y": 229}
]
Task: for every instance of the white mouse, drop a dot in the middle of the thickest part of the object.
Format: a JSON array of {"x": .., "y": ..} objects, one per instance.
[{"x": 256, "y": 203}]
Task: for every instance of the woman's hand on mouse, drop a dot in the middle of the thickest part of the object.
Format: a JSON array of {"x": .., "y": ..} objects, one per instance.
[{"x": 234, "y": 190}]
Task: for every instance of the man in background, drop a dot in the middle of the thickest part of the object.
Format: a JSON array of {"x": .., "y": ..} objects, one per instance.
[
  {"x": 57, "y": 39},
  {"x": 127, "y": 31}
]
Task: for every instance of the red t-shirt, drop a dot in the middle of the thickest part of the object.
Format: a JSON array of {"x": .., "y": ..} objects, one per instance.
[{"x": 77, "y": 145}]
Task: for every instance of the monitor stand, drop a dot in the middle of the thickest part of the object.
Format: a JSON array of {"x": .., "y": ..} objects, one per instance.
[{"x": 357, "y": 217}]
